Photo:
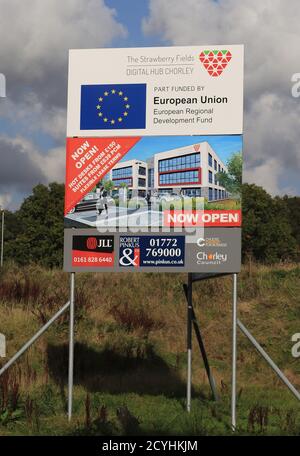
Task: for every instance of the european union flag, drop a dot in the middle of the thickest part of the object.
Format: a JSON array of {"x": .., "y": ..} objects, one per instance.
[{"x": 113, "y": 106}]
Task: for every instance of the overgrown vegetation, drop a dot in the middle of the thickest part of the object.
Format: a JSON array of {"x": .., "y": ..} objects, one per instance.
[
  {"x": 232, "y": 180},
  {"x": 130, "y": 354}
]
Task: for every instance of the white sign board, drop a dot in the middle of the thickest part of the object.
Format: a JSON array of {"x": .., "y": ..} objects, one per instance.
[
  {"x": 153, "y": 135},
  {"x": 178, "y": 90}
]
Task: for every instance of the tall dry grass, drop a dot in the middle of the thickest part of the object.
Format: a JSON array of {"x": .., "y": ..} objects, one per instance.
[{"x": 143, "y": 316}]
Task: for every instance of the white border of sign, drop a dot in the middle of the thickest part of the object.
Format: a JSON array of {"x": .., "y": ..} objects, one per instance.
[{"x": 158, "y": 67}]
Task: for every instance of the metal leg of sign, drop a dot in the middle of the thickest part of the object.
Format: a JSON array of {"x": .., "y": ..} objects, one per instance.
[
  {"x": 205, "y": 359},
  {"x": 71, "y": 347},
  {"x": 2, "y": 238},
  {"x": 189, "y": 342},
  {"x": 202, "y": 348},
  {"x": 34, "y": 338},
  {"x": 268, "y": 359},
  {"x": 234, "y": 352}
]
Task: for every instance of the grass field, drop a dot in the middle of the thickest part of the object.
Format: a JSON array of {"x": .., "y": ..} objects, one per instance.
[{"x": 130, "y": 355}]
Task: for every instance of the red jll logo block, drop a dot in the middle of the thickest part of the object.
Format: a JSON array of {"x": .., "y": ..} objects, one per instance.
[{"x": 91, "y": 243}]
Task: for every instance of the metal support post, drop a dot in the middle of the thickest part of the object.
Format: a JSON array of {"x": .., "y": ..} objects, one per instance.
[
  {"x": 202, "y": 349},
  {"x": 34, "y": 338},
  {"x": 71, "y": 347},
  {"x": 2, "y": 238},
  {"x": 189, "y": 342},
  {"x": 205, "y": 359},
  {"x": 267, "y": 358},
  {"x": 234, "y": 352}
]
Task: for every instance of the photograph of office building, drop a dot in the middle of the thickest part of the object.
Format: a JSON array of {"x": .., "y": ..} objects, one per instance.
[
  {"x": 130, "y": 174},
  {"x": 190, "y": 170},
  {"x": 160, "y": 172}
]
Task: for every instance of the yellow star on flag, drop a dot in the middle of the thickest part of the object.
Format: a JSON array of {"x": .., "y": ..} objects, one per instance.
[{"x": 102, "y": 107}]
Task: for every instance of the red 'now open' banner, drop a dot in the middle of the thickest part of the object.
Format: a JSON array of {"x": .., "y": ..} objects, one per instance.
[
  {"x": 195, "y": 218},
  {"x": 88, "y": 161}
]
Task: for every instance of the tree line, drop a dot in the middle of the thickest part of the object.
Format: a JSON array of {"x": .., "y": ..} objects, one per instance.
[{"x": 34, "y": 233}]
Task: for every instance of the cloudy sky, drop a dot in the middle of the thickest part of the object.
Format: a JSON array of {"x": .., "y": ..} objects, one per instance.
[{"x": 34, "y": 40}]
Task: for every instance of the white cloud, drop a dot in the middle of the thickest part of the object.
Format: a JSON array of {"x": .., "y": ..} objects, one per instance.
[
  {"x": 270, "y": 31},
  {"x": 5, "y": 200},
  {"x": 32, "y": 115},
  {"x": 23, "y": 166},
  {"x": 53, "y": 165},
  {"x": 19, "y": 170},
  {"x": 271, "y": 168},
  {"x": 35, "y": 37},
  {"x": 37, "y": 34}
]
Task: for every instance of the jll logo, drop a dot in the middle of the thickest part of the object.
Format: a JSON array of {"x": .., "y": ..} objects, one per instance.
[{"x": 91, "y": 243}]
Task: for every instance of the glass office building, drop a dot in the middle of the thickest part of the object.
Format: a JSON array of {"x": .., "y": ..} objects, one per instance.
[
  {"x": 122, "y": 176},
  {"x": 133, "y": 175},
  {"x": 190, "y": 170}
]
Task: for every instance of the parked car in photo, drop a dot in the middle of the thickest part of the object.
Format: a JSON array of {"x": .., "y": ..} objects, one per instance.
[
  {"x": 89, "y": 203},
  {"x": 165, "y": 197}
]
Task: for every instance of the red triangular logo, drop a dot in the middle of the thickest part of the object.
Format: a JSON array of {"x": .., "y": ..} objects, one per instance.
[{"x": 215, "y": 61}]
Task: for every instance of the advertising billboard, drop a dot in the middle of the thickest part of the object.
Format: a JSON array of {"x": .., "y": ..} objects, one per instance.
[{"x": 154, "y": 159}]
